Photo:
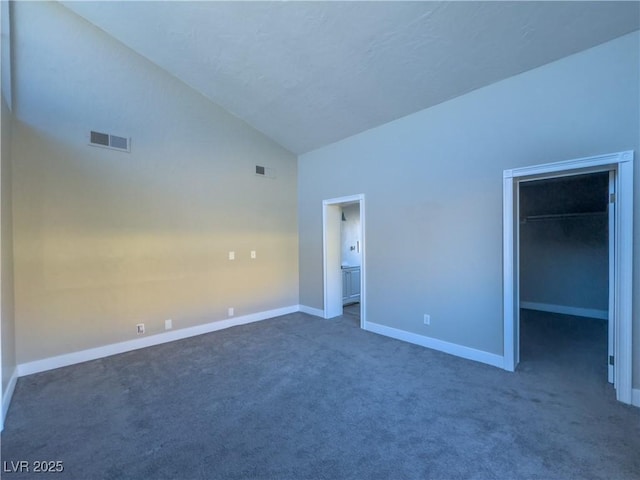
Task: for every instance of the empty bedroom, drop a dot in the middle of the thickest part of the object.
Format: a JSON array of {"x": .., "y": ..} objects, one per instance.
[{"x": 320, "y": 240}]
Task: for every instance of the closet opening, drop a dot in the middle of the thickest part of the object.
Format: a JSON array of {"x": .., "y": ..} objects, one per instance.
[
  {"x": 618, "y": 168},
  {"x": 566, "y": 260}
]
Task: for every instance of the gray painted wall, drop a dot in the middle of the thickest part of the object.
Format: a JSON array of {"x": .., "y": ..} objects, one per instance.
[
  {"x": 564, "y": 248},
  {"x": 104, "y": 239},
  {"x": 350, "y": 235},
  {"x": 433, "y": 186},
  {"x": 565, "y": 262},
  {"x": 6, "y": 252},
  {"x": 7, "y": 325}
]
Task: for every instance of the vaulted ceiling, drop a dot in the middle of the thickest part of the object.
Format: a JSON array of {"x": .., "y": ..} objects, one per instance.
[{"x": 308, "y": 74}]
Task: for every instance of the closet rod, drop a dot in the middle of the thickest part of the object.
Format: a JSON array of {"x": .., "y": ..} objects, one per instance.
[{"x": 558, "y": 216}]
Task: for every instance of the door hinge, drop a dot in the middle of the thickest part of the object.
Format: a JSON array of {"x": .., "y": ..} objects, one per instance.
[
  {"x": 611, "y": 360},
  {"x": 612, "y": 198}
]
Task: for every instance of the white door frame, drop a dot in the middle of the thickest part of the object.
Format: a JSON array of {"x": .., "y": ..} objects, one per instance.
[
  {"x": 622, "y": 163},
  {"x": 331, "y": 272},
  {"x": 611, "y": 301}
]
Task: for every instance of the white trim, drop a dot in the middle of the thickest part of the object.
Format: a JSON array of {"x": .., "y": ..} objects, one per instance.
[
  {"x": 575, "y": 164},
  {"x": 435, "y": 344},
  {"x": 311, "y": 311},
  {"x": 611, "y": 300},
  {"x": 347, "y": 199},
  {"x": 363, "y": 261},
  {"x": 566, "y": 310},
  {"x": 332, "y": 275},
  {"x": 160, "y": 338},
  {"x": 511, "y": 290},
  {"x": 7, "y": 396},
  {"x": 622, "y": 163},
  {"x": 624, "y": 280},
  {"x": 635, "y": 401},
  {"x": 359, "y": 198}
]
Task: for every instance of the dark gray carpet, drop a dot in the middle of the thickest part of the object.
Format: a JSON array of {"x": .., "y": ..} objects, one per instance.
[{"x": 298, "y": 397}]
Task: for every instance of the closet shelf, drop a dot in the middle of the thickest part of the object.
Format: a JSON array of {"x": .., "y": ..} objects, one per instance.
[{"x": 560, "y": 216}]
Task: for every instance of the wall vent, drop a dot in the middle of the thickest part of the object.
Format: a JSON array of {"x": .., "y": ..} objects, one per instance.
[
  {"x": 106, "y": 140},
  {"x": 265, "y": 172}
]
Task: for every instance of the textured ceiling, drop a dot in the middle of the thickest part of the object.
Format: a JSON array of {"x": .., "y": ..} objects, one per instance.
[{"x": 310, "y": 73}]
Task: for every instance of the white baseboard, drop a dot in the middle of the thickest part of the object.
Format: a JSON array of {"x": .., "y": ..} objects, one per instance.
[
  {"x": 435, "y": 344},
  {"x": 129, "y": 345},
  {"x": 311, "y": 311},
  {"x": 566, "y": 310},
  {"x": 635, "y": 397},
  {"x": 7, "y": 395}
]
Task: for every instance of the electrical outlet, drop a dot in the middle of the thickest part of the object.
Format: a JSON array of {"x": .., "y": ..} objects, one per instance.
[
  {"x": 232, "y": 255},
  {"x": 427, "y": 319},
  {"x": 168, "y": 324},
  {"x": 140, "y": 328},
  {"x": 253, "y": 254},
  {"x": 231, "y": 312}
]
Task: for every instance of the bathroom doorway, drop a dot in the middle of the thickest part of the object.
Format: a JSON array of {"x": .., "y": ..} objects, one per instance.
[{"x": 344, "y": 263}]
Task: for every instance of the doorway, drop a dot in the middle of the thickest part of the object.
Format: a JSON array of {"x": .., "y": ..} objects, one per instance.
[
  {"x": 619, "y": 267},
  {"x": 565, "y": 261},
  {"x": 336, "y": 265}
]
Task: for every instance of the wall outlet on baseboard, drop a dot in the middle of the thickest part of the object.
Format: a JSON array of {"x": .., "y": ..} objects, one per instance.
[
  {"x": 140, "y": 328},
  {"x": 427, "y": 319},
  {"x": 168, "y": 324},
  {"x": 231, "y": 312}
]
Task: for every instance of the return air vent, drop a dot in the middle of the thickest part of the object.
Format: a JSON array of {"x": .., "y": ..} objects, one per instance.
[
  {"x": 265, "y": 172},
  {"x": 105, "y": 140}
]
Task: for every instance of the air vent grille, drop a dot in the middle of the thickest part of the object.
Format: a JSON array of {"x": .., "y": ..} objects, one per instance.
[
  {"x": 265, "y": 172},
  {"x": 106, "y": 140},
  {"x": 98, "y": 138}
]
